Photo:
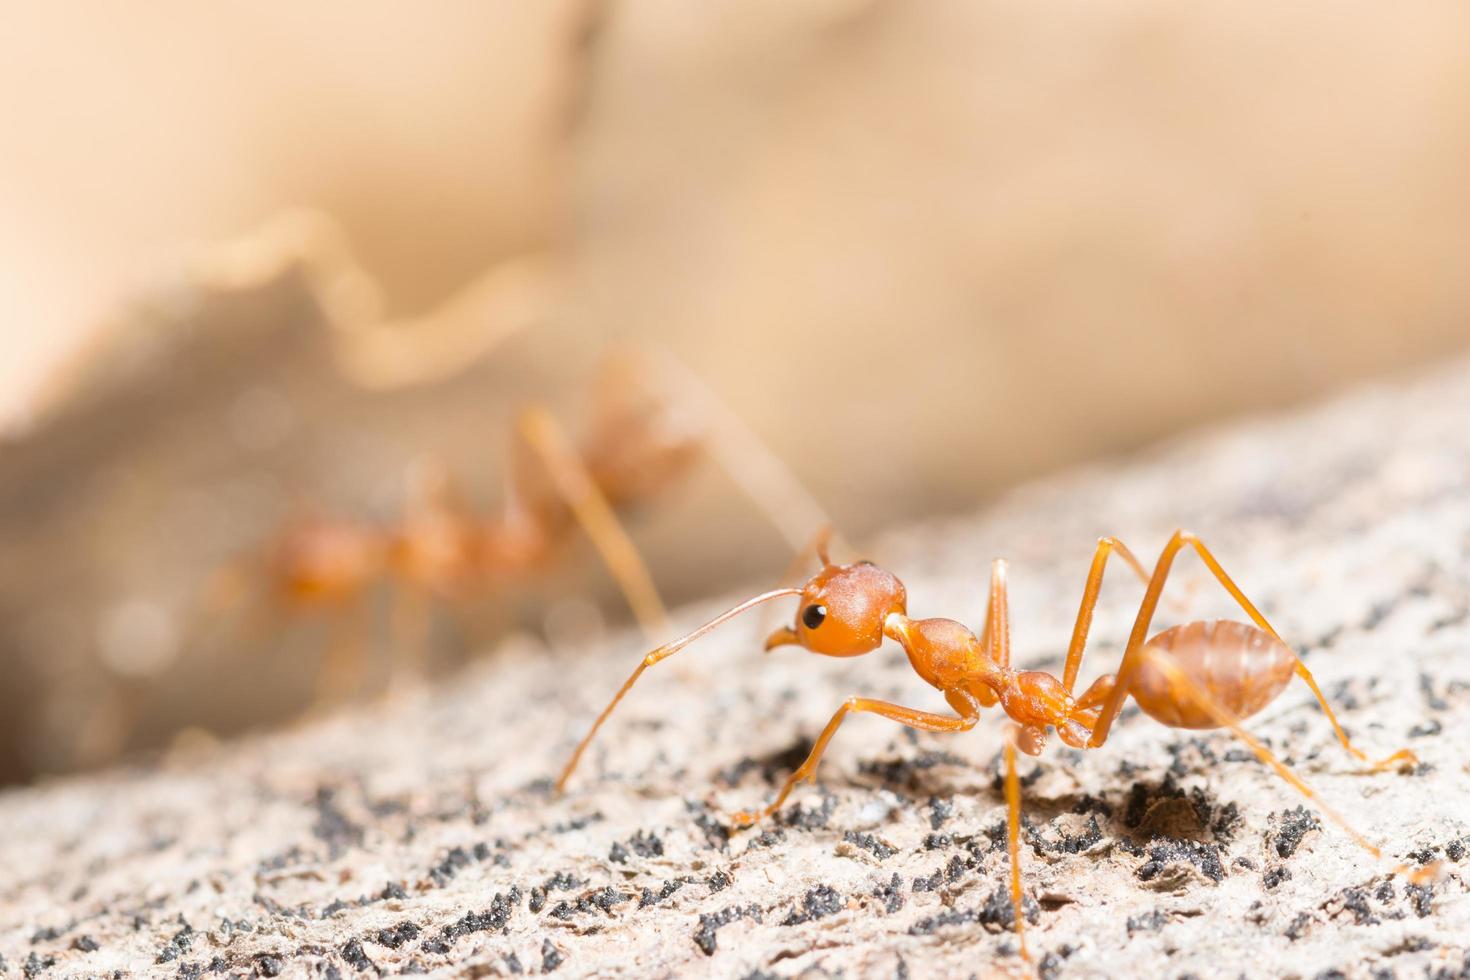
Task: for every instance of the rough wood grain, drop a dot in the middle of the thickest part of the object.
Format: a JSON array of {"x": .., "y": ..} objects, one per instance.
[{"x": 421, "y": 836}]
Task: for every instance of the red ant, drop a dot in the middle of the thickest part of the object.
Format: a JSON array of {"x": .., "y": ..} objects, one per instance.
[
  {"x": 1198, "y": 675},
  {"x": 635, "y": 449}
]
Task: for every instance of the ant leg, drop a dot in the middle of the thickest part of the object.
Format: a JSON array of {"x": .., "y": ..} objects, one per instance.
[
  {"x": 341, "y": 667},
  {"x": 1182, "y": 683},
  {"x": 412, "y": 628},
  {"x": 1401, "y": 757},
  {"x": 995, "y": 637},
  {"x": 662, "y": 653},
  {"x": 1140, "y": 633},
  {"x": 1013, "y": 837},
  {"x": 761, "y": 475},
  {"x": 962, "y": 702},
  {"x": 817, "y": 547},
  {"x": 1105, "y": 548},
  {"x": 586, "y": 500}
]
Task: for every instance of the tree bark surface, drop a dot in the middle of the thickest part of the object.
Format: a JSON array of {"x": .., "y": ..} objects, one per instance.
[{"x": 421, "y": 835}]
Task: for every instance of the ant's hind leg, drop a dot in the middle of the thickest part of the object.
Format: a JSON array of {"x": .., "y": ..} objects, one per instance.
[
  {"x": 1399, "y": 758},
  {"x": 1184, "y": 685},
  {"x": 340, "y": 671},
  {"x": 1133, "y": 653},
  {"x": 597, "y": 517},
  {"x": 912, "y": 717}
]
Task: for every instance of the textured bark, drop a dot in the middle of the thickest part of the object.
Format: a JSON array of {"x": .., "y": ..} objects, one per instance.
[{"x": 421, "y": 834}]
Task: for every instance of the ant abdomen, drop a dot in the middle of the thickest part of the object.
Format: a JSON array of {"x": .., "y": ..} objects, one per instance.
[{"x": 1242, "y": 666}]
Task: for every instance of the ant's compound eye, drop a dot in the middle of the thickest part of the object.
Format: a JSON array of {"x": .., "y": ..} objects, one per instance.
[{"x": 813, "y": 616}]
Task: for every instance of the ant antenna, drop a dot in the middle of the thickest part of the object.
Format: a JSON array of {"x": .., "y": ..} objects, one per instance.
[{"x": 663, "y": 652}]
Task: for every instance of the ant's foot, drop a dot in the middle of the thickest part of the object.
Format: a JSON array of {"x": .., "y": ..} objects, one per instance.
[
  {"x": 746, "y": 818},
  {"x": 1402, "y": 759},
  {"x": 1424, "y": 875}
]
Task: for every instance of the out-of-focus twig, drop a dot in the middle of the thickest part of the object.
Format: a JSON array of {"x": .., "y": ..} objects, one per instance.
[{"x": 372, "y": 350}]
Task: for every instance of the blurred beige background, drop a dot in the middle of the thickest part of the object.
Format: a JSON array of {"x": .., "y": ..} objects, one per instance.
[
  {"x": 1156, "y": 212},
  {"x": 925, "y": 251},
  {"x": 136, "y": 135}
]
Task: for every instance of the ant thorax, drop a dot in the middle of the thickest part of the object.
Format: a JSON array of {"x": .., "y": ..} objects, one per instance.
[{"x": 948, "y": 656}]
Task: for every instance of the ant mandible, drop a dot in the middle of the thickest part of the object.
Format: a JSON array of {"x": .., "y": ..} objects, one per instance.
[{"x": 1198, "y": 675}]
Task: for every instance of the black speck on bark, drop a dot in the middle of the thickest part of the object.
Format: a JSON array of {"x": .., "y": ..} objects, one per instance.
[{"x": 551, "y": 957}]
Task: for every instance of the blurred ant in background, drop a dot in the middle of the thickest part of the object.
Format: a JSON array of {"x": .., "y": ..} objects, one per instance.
[{"x": 651, "y": 422}]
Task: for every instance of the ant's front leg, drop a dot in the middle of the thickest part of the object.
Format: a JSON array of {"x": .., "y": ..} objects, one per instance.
[{"x": 961, "y": 701}]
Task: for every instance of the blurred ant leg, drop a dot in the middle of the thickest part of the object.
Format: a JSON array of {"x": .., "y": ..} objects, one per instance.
[
  {"x": 1401, "y": 757},
  {"x": 1184, "y": 685},
  {"x": 227, "y": 588},
  {"x": 1133, "y": 653},
  {"x": 340, "y": 672},
  {"x": 236, "y": 594},
  {"x": 432, "y": 490},
  {"x": 662, "y": 653},
  {"x": 597, "y": 517},
  {"x": 912, "y": 717},
  {"x": 818, "y": 546},
  {"x": 822, "y": 544},
  {"x": 1013, "y": 838},
  {"x": 1105, "y": 549},
  {"x": 761, "y": 475},
  {"x": 411, "y": 627}
]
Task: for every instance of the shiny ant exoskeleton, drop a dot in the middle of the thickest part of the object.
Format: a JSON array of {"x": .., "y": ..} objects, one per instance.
[{"x": 1196, "y": 676}]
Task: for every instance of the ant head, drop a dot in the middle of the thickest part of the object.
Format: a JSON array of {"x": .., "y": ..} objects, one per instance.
[{"x": 842, "y": 611}]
